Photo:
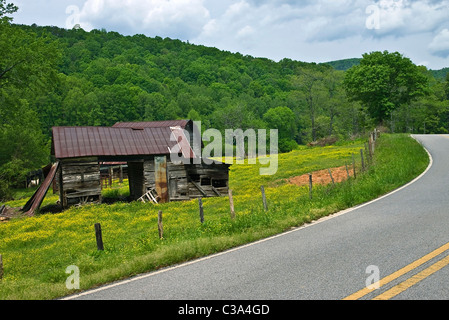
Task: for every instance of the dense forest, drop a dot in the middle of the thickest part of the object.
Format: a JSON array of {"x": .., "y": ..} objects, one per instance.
[{"x": 51, "y": 76}]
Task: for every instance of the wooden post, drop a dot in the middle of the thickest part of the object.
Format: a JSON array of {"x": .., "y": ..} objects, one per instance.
[
  {"x": 1, "y": 267},
  {"x": 368, "y": 151},
  {"x": 353, "y": 165},
  {"x": 159, "y": 225},
  {"x": 332, "y": 178},
  {"x": 310, "y": 185},
  {"x": 231, "y": 204},
  {"x": 200, "y": 203},
  {"x": 99, "y": 237},
  {"x": 264, "y": 199},
  {"x": 363, "y": 162},
  {"x": 121, "y": 174},
  {"x": 366, "y": 154},
  {"x": 110, "y": 173},
  {"x": 347, "y": 171}
]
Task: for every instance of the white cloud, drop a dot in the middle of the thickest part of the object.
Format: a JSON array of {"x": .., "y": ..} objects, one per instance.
[
  {"x": 403, "y": 17},
  {"x": 306, "y": 30},
  {"x": 177, "y": 19},
  {"x": 440, "y": 44},
  {"x": 245, "y": 32}
]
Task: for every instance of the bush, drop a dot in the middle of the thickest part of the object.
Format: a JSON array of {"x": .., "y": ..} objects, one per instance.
[
  {"x": 287, "y": 145},
  {"x": 5, "y": 192}
]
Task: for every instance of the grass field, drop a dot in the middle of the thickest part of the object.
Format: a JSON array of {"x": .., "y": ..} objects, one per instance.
[{"x": 36, "y": 251}]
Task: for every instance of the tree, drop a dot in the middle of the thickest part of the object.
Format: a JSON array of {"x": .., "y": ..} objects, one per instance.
[
  {"x": 26, "y": 60},
  {"x": 335, "y": 101},
  {"x": 310, "y": 83},
  {"x": 283, "y": 119},
  {"x": 27, "y": 70},
  {"x": 384, "y": 81},
  {"x": 7, "y": 8}
]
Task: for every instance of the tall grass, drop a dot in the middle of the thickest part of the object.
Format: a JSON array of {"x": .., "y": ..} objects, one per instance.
[{"x": 36, "y": 251}]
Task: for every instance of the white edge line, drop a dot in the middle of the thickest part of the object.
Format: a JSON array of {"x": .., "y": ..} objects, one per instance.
[{"x": 147, "y": 275}]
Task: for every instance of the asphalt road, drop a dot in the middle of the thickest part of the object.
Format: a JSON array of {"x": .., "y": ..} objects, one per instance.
[{"x": 392, "y": 239}]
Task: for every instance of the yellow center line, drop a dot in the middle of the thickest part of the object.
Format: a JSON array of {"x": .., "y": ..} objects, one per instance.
[
  {"x": 361, "y": 293},
  {"x": 413, "y": 280}
]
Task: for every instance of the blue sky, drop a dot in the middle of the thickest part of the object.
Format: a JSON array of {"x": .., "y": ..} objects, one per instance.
[{"x": 309, "y": 30}]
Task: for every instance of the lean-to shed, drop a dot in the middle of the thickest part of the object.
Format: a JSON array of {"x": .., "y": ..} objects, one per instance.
[{"x": 148, "y": 149}]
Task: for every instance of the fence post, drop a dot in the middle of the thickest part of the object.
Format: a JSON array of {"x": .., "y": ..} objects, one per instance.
[
  {"x": 363, "y": 162},
  {"x": 110, "y": 174},
  {"x": 200, "y": 203},
  {"x": 347, "y": 171},
  {"x": 366, "y": 154},
  {"x": 368, "y": 151},
  {"x": 332, "y": 178},
  {"x": 99, "y": 237},
  {"x": 231, "y": 204},
  {"x": 264, "y": 199},
  {"x": 353, "y": 166},
  {"x": 310, "y": 185},
  {"x": 1, "y": 267},
  {"x": 160, "y": 227}
]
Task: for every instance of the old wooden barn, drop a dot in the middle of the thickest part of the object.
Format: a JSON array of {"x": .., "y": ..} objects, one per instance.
[{"x": 147, "y": 148}]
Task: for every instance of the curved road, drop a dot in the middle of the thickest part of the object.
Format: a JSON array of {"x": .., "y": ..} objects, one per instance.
[{"x": 401, "y": 239}]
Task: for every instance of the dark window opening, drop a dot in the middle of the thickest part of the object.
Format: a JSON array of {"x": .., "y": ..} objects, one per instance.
[
  {"x": 195, "y": 177},
  {"x": 219, "y": 183},
  {"x": 206, "y": 182}
]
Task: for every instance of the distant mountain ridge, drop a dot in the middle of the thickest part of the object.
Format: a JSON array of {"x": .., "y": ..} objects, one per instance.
[{"x": 345, "y": 64}]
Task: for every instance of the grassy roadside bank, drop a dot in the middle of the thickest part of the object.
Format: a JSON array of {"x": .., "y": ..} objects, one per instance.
[{"x": 36, "y": 251}]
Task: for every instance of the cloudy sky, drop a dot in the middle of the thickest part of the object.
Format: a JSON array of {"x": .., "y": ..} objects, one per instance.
[{"x": 308, "y": 30}]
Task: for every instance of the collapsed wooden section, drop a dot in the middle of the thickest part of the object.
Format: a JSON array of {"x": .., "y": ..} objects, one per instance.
[
  {"x": 36, "y": 200},
  {"x": 79, "y": 180}
]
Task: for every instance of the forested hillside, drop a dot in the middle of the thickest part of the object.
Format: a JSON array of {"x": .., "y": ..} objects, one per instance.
[
  {"x": 51, "y": 76},
  {"x": 105, "y": 77}
]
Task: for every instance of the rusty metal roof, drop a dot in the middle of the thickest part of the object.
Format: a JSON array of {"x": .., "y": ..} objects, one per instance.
[
  {"x": 75, "y": 142},
  {"x": 151, "y": 124}
]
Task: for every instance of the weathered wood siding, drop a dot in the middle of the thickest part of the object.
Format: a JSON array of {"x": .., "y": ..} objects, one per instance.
[
  {"x": 177, "y": 182},
  {"x": 148, "y": 169},
  {"x": 79, "y": 182}
]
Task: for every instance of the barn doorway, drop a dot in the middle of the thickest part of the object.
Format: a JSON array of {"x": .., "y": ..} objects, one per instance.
[{"x": 136, "y": 180}]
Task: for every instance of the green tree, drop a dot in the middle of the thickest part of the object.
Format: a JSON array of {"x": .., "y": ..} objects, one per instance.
[
  {"x": 7, "y": 8},
  {"x": 310, "y": 84},
  {"x": 27, "y": 70},
  {"x": 283, "y": 119},
  {"x": 383, "y": 82}
]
